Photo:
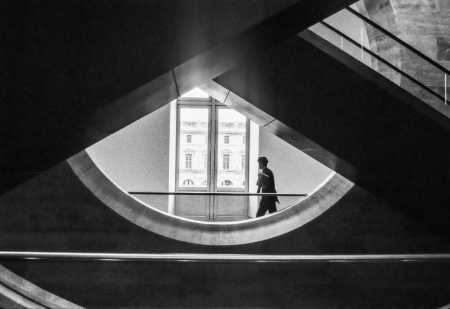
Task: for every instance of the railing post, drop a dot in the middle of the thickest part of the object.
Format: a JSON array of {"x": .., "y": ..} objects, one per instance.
[
  {"x": 361, "y": 35},
  {"x": 445, "y": 89}
]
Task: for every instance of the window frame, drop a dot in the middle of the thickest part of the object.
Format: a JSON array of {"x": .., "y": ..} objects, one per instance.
[
  {"x": 186, "y": 160},
  {"x": 247, "y": 152},
  {"x": 192, "y": 103},
  {"x": 212, "y": 159}
]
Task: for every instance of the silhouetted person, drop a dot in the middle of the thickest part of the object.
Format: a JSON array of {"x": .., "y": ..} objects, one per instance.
[{"x": 266, "y": 184}]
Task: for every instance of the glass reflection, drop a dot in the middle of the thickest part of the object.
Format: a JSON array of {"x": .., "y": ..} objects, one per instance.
[
  {"x": 231, "y": 149},
  {"x": 193, "y": 147}
]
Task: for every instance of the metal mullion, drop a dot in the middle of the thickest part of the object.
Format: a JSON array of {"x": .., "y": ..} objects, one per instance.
[
  {"x": 216, "y": 107},
  {"x": 247, "y": 155},
  {"x": 247, "y": 161},
  {"x": 177, "y": 149},
  {"x": 196, "y": 103},
  {"x": 194, "y": 100},
  {"x": 212, "y": 160}
]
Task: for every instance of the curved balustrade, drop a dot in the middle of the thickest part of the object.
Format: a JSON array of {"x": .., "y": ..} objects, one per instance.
[
  {"x": 214, "y": 206},
  {"x": 208, "y": 233}
]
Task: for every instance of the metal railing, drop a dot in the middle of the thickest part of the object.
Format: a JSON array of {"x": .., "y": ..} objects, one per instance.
[
  {"x": 224, "y": 257},
  {"x": 409, "y": 49},
  {"x": 398, "y": 40},
  {"x": 384, "y": 61},
  {"x": 217, "y": 193}
]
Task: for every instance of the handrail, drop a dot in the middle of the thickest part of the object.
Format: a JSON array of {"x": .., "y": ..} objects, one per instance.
[
  {"x": 22, "y": 289},
  {"x": 222, "y": 257},
  {"x": 215, "y": 193},
  {"x": 389, "y": 34},
  {"x": 383, "y": 60}
]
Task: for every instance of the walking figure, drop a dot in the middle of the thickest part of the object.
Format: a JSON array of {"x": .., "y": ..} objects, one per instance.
[{"x": 266, "y": 184}]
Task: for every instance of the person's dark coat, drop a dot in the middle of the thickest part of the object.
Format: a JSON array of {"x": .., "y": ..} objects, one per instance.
[{"x": 266, "y": 184}]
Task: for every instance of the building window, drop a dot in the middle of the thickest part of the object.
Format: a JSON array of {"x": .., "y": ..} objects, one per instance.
[
  {"x": 226, "y": 139},
  {"x": 188, "y": 161},
  {"x": 188, "y": 182},
  {"x": 226, "y": 162},
  {"x": 188, "y": 138},
  {"x": 227, "y": 183}
]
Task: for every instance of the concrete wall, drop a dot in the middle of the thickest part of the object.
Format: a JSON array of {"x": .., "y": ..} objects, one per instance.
[
  {"x": 425, "y": 24},
  {"x": 136, "y": 157},
  {"x": 243, "y": 285},
  {"x": 362, "y": 120},
  {"x": 64, "y": 72},
  {"x": 58, "y": 213}
]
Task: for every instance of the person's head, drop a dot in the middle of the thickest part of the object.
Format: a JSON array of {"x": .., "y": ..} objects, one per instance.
[{"x": 262, "y": 161}]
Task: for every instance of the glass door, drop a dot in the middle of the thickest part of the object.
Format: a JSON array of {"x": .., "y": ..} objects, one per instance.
[
  {"x": 231, "y": 160},
  {"x": 212, "y": 155},
  {"x": 193, "y": 161}
]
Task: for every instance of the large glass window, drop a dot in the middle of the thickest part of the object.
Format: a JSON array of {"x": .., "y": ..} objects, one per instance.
[{"x": 212, "y": 148}]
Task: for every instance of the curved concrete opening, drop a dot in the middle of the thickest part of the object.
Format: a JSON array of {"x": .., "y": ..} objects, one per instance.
[
  {"x": 207, "y": 233},
  {"x": 164, "y": 152}
]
